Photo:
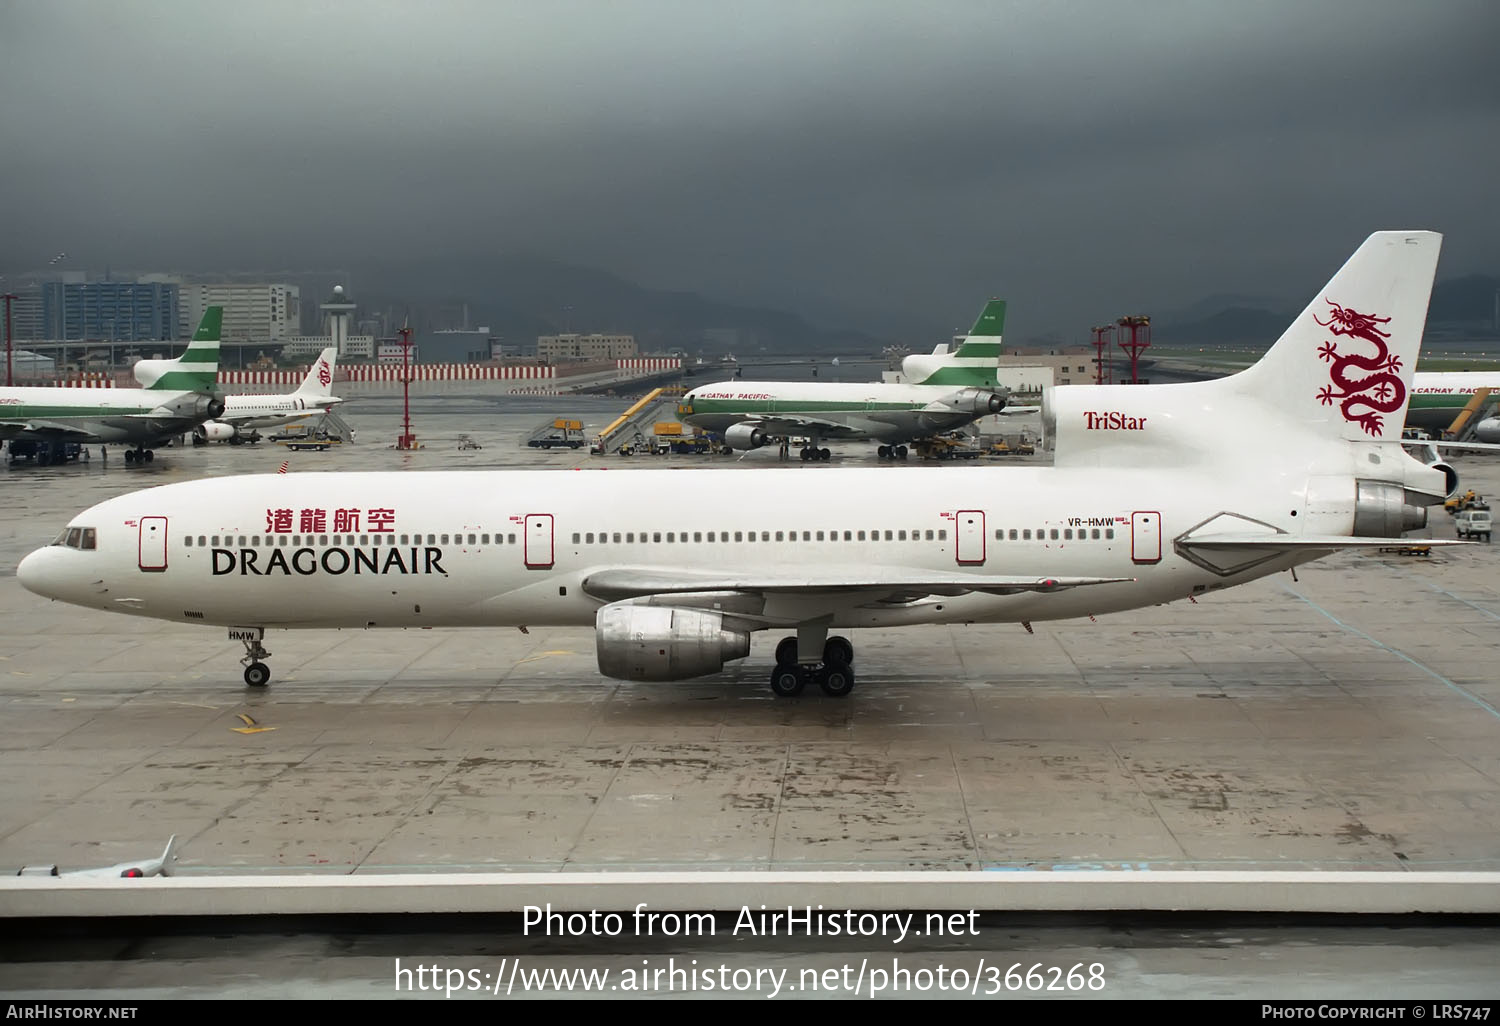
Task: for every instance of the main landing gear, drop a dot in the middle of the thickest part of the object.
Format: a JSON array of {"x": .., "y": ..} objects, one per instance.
[
  {"x": 257, "y": 673},
  {"x": 812, "y": 452},
  {"x": 892, "y": 452},
  {"x": 835, "y": 674},
  {"x": 140, "y": 454}
]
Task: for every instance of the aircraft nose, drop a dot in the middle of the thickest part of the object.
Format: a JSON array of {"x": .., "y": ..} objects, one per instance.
[{"x": 33, "y": 572}]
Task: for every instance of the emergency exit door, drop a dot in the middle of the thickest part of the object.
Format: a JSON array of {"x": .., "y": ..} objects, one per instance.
[
  {"x": 969, "y": 530},
  {"x": 152, "y": 550},
  {"x": 1145, "y": 537},
  {"x": 539, "y": 541}
]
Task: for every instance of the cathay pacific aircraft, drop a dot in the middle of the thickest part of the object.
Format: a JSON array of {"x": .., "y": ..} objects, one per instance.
[
  {"x": 1154, "y": 496},
  {"x": 243, "y": 414},
  {"x": 946, "y": 392},
  {"x": 177, "y": 396}
]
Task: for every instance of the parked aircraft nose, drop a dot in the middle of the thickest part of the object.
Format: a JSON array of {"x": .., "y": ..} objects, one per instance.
[{"x": 32, "y": 572}]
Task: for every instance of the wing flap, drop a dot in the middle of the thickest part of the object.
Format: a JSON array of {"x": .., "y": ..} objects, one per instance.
[{"x": 637, "y": 582}]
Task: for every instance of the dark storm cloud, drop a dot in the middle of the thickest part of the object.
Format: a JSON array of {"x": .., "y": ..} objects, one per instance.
[{"x": 1082, "y": 159}]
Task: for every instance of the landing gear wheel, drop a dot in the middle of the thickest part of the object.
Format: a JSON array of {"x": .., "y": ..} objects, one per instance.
[
  {"x": 837, "y": 651},
  {"x": 257, "y": 675},
  {"x": 788, "y": 681},
  {"x": 806, "y": 455},
  {"x": 836, "y": 681},
  {"x": 884, "y": 452},
  {"x": 786, "y": 652},
  {"x": 900, "y": 452},
  {"x": 129, "y": 455},
  {"x": 824, "y": 455},
  {"x": 149, "y": 455}
]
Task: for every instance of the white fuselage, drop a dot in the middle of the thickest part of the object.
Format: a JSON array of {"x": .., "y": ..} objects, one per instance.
[
  {"x": 848, "y": 410},
  {"x": 514, "y": 548},
  {"x": 132, "y": 415},
  {"x": 257, "y": 411}
]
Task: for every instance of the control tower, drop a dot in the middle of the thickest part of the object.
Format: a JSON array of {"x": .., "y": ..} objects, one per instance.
[{"x": 337, "y": 312}]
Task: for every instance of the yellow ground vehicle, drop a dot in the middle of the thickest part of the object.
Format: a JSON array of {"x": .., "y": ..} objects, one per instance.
[{"x": 1463, "y": 501}]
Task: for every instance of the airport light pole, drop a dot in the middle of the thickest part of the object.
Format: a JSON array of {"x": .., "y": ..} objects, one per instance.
[{"x": 9, "y": 374}]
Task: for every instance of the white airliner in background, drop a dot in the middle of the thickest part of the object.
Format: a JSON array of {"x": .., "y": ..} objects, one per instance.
[
  {"x": 134, "y": 869},
  {"x": 946, "y": 391},
  {"x": 1154, "y": 496},
  {"x": 243, "y": 414}
]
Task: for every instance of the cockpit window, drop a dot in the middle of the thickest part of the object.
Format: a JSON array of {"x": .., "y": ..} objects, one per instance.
[{"x": 76, "y": 538}]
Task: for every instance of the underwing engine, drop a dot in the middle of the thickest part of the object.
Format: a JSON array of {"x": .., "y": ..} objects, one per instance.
[{"x": 638, "y": 642}]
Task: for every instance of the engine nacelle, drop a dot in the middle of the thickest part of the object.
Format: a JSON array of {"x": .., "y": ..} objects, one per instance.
[
  {"x": 664, "y": 643},
  {"x": 1381, "y": 510},
  {"x": 1488, "y": 430},
  {"x": 214, "y": 431},
  {"x": 978, "y": 400},
  {"x": 745, "y": 436}
]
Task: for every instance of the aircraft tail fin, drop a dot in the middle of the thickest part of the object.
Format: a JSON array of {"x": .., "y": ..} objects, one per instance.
[
  {"x": 1345, "y": 365},
  {"x": 197, "y": 369},
  {"x": 319, "y": 380},
  {"x": 976, "y": 361}
]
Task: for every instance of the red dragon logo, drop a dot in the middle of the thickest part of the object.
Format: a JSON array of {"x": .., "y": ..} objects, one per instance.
[
  {"x": 324, "y": 376},
  {"x": 1379, "y": 392}
]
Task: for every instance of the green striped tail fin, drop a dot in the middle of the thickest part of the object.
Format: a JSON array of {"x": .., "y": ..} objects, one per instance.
[
  {"x": 984, "y": 338},
  {"x": 976, "y": 362},
  {"x": 197, "y": 369}
]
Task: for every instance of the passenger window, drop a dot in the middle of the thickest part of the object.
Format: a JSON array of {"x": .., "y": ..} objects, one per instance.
[
  {"x": 929, "y": 534},
  {"x": 405, "y": 542},
  {"x": 1096, "y": 533},
  {"x": 484, "y": 539},
  {"x": 710, "y": 536},
  {"x": 901, "y": 536},
  {"x": 187, "y": 541},
  {"x": 1012, "y": 534},
  {"x": 942, "y": 534},
  {"x": 1067, "y": 534},
  {"x": 848, "y": 536},
  {"x": 617, "y": 537},
  {"x": 630, "y": 537},
  {"x": 589, "y": 537},
  {"x": 1054, "y": 534},
  {"x": 861, "y": 535},
  {"x": 1109, "y": 533},
  {"x": 765, "y": 536},
  {"x": 820, "y": 535},
  {"x": 738, "y": 536},
  {"x": 576, "y": 538},
  {"x": 656, "y": 536},
  {"x": 999, "y": 534},
  {"x": 444, "y": 541},
  {"x": 778, "y": 536},
  {"x": 471, "y": 539},
  {"x": 1026, "y": 534},
  {"x": 748, "y": 537},
  {"x": 888, "y": 536},
  {"x": 216, "y": 541}
]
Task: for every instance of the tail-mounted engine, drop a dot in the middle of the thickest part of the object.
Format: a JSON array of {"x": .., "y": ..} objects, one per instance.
[
  {"x": 1382, "y": 510},
  {"x": 637, "y": 642}
]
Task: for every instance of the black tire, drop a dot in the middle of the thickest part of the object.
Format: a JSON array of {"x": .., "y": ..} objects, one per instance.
[
  {"x": 838, "y": 651},
  {"x": 257, "y": 675},
  {"x": 836, "y": 681},
  {"x": 149, "y": 455},
  {"x": 824, "y": 455},
  {"x": 901, "y": 452},
  {"x": 788, "y": 681},
  {"x": 786, "y": 652}
]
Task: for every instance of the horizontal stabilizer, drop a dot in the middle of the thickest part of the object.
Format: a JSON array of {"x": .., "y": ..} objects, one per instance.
[{"x": 640, "y": 582}]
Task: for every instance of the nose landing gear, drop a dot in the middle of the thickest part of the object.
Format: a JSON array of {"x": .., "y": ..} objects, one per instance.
[{"x": 257, "y": 673}]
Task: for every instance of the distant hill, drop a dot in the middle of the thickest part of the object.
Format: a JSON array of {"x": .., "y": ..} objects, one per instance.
[
  {"x": 1458, "y": 301},
  {"x": 520, "y": 298}
]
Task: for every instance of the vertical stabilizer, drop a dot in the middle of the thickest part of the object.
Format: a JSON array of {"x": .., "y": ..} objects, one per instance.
[
  {"x": 976, "y": 362},
  {"x": 1345, "y": 365},
  {"x": 196, "y": 370},
  {"x": 319, "y": 380}
]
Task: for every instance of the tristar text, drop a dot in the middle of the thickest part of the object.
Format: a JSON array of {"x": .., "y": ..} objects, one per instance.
[{"x": 1113, "y": 422}]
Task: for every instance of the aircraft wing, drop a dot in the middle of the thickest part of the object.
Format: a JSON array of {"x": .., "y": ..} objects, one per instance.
[
  {"x": 864, "y": 583},
  {"x": 783, "y": 425},
  {"x": 43, "y": 428},
  {"x": 1016, "y": 411}
]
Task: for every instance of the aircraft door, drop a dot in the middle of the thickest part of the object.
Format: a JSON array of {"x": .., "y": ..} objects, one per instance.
[
  {"x": 539, "y": 541},
  {"x": 1145, "y": 537},
  {"x": 968, "y": 528},
  {"x": 152, "y": 550}
]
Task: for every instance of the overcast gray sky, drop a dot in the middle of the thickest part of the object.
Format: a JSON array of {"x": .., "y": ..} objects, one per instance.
[{"x": 1082, "y": 158}]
